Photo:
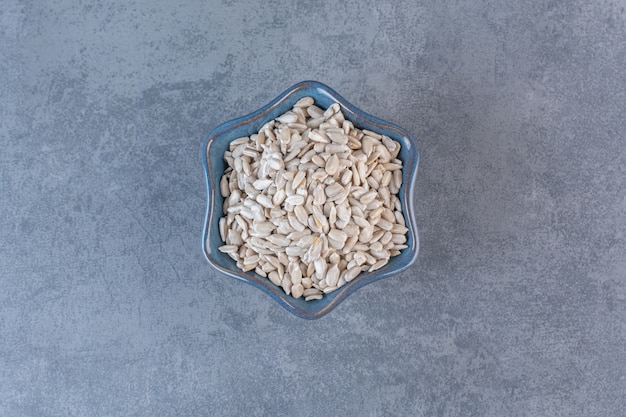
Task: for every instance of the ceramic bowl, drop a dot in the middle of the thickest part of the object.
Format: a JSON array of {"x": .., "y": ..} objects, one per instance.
[{"x": 217, "y": 143}]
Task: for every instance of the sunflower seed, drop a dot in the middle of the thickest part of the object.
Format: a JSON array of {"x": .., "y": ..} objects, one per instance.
[
  {"x": 343, "y": 212},
  {"x": 338, "y": 236},
  {"x": 315, "y": 123},
  {"x": 320, "y": 219},
  {"x": 351, "y": 273},
  {"x": 293, "y": 222},
  {"x": 384, "y": 224},
  {"x": 262, "y": 184},
  {"x": 334, "y": 148},
  {"x": 333, "y": 109},
  {"x": 367, "y": 145},
  {"x": 380, "y": 254},
  {"x": 295, "y": 251},
  {"x": 397, "y": 178},
  {"x": 307, "y": 282},
  {"x": 275, "y": 278},
  {"x": 234, "y": 238},
  {"x": 222, "y": 228},
  {"x": 305, "y": 241},
  {"x": 337, "y": 136},
  {"x": 332, "y": 276},
  {"x": 301, "y": 214},
  {"x": 379, "y": 264},
  {"x": 304, "y": 102},
  {"x": 314, "y": 297},
  {"x": 350, "y": 243},
  {"x": 295, "y": 274},
  {"x": 334, "y": 190},
  {"x": 265, "y": 201},
  {"x": 398, "y": 238},
  {"x": 386, "y": 238},
  {"x": 314, "y": 111},
  {"x": 366, "y": 234},
  {"x": 295, "y": 200},
  {"x": 295, "y": 235},
  {"x": 368, "y": 197},
  {"x": 329, "y": 289},
  {"x": 332, "y": 165},
  {"x": 286, "y": 284},
  {"x": 224, "y": 189},
  {"x": 376, "y": 236},
  {"x": 360, "y": 221},
  {"x": 389, "y": 166},
  {"x": 399, "y": 229},
  {"x": 356, "y": 178},
  {"x": 371, "y": 181},
  {"x": 346, "y": 177},
  {"x": 318, "y": 136},
  {"x": 297, "y": 290},
  {"x": 279, "y": 240},
  {"x": 251, "y": 260},
  {"x": 384, "y": 155},
  {"x": 298, "y": 178},
  {"x": 311, "y": 291},
  {"x": 399, "y": 218},
  {"x": 389, "y": 143},
  {"x": 229, "y": 248}
]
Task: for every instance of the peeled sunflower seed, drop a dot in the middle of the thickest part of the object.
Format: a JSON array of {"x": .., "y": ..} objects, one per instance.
[{"x": 310, "y": 201}]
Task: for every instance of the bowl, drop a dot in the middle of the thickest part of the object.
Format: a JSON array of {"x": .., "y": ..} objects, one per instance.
[{"x": 217, "y": 143}]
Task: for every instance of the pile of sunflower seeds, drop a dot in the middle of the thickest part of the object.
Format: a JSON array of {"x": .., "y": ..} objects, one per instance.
[{"x": 310, "y": 201}]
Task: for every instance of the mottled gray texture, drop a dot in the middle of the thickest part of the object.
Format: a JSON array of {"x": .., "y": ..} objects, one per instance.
[{"x": 517, "y": 303}]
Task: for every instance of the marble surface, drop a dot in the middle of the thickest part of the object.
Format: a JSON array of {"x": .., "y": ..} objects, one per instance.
[{"x": 516, "y": 305}]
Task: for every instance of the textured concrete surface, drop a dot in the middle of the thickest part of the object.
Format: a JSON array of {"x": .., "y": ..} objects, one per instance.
[{"x": 516, "y": 306}]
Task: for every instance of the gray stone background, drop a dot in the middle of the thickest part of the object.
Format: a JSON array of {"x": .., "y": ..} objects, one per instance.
[{"x": 515, "y": 307}]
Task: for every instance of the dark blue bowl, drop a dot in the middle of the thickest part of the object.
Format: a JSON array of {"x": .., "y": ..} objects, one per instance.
[{"x": 217, "y": 143}]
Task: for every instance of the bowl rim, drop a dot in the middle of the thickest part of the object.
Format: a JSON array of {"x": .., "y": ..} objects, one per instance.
[{"x": 332, "y": 300}]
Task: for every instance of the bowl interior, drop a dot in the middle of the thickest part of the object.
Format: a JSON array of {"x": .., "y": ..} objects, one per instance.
[{"x": 218, "y": 142}]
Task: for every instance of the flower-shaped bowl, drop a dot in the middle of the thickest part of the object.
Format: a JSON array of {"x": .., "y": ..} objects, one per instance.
[{"x": 217, "y": 143}]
